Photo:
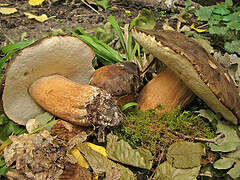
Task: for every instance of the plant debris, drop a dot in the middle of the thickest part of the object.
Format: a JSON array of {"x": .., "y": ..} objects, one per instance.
[
  {"x": 185, "y": 155},
  {"x": 37, "y": 156},
  {"x": 121, "y": 151}
]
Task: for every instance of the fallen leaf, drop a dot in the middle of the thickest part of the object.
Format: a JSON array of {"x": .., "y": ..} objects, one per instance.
[
  {"x": 230, "y": 160},
  {"x": 198, "y": 30},
  {"x": 7, "y": 11},
  {"x": 121, "y": 151},
  {"x": 79, "y": 158},
  {"x": 101, "y": 164},
  {"x": 4, "y": 4},
  {"x": 97, "y": 148},
  {"x": 185, "y": 154},
  {"x": 35, "y": 2},
  {"x": 230, "y": 141},
  {"x": 214, "y": 66},
  {"x": 166, "y": 171},
  {"x": 41, "y": 18}
]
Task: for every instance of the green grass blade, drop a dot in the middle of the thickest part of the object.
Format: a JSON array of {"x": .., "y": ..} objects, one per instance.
[
  {"x": 102, "y": 50},
  {"x": 115, "y": 25},
  {"x": 17, "y": 46},
  {"x": 129, "y": 51},
  {"x": 128, "y": 105}
]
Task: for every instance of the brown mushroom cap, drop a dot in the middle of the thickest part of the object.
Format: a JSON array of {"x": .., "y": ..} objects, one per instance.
[
  {"x": 64, "y": 55},
  {"x": 196, "y": 67}
]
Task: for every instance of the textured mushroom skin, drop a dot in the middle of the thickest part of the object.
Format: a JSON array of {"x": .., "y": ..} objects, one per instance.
[
  {"x": 196, "y": 67},
  {"x": 76, "y": 103},
  {"x": 119, "y": 79}
]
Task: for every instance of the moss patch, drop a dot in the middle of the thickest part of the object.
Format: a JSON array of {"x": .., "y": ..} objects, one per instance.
[{"x": 149, "y": 130}]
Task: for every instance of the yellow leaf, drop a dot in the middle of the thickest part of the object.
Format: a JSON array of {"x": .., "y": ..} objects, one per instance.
[
  {"x": 4, "y": 4},
  {"x": 198, "y": 30},
  {"x": 211, "y": 64},
  {"x": 95, "y": 178},
  {"x": 79, "y": 158},
  {"x": 97, "y": 148},
  {"x": 128, "y": 12},
  {"x": 41, "y": 18},
  {"x": 35, "y": 2},
  {"x": 7, "y": 11}
]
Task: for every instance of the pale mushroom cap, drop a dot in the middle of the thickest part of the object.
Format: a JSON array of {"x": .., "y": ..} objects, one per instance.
[
  {"x": 198, "y": 69},
  {"x": 64, "y": 55}
]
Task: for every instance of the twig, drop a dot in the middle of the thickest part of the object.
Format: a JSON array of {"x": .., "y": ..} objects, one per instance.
[
  {"x": 90, "y": 6},
  {"x": 214, "y": 140},
  {"x": 85, "y": 15}
]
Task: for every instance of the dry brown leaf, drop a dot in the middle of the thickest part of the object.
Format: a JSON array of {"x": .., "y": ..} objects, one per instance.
[
  {"x": 7, "y": 11},
  {"x": 41, "y": 18},
  {"x": 35, "y": 2}
]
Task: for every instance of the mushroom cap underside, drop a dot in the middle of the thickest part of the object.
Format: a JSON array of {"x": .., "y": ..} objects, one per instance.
[
  {"x": 196, "y": 67},
  {"x": 64, "y": 55}
]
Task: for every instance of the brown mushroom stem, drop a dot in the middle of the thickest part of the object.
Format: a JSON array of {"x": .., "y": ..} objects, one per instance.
[
  {"x": 77, "y": 103},
  {"x": 166, "y": 90}
]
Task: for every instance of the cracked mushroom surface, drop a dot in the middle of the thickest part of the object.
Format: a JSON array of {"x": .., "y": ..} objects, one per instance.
[
  {"x": 65, "y": 63},
  {"x": 195, "y": 67}
]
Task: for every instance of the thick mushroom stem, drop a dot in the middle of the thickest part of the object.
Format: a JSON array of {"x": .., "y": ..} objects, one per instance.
[
  {"x": 79, "y": 104},
  {"x": 166, "y": 90}
]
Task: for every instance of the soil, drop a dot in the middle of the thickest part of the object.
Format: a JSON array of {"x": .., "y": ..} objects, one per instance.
[{"x": 62, "y": 14}]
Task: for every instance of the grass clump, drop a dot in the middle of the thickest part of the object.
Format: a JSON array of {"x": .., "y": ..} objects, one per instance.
[{"x": 149, "y": 130}]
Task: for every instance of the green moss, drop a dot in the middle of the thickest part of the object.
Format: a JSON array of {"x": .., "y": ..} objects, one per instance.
[{"x": 149, "y": 130}]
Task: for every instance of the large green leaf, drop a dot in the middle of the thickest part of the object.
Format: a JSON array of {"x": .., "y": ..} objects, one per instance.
[
  {"x": 218, "y": 30},
  {"x": 230, "y": 141},
  {"x": 233, "y": 46},
  {"x": 204, "y": 13},
  {"x": 230, "y": 160},
  {"x": 101, "y": 164},
  {"x": 165, "y": 171},
  {"x": 121, "y": 151},
  {"x": 17, "y": 46},
  {"x": 223, "y": 163},
  {"x": 185, "y": 154},
  {"x": 221, "y": 9}
]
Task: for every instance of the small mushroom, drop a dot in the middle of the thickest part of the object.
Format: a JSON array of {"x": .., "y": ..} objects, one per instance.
[
  {"x": 122, "y": 80},
  {"x": 195, "y": 67},
  {"x": 55, "y": 71},
  {"x": 119, "y": 79}
]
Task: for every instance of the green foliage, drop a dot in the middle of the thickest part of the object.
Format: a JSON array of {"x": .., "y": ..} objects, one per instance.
[
  {"x": 224, "y": 22},
  {"x": 149, "y": 130},
  {"x": 3, "y": 167},
  {"x": 11, "y": 49},
  {"x": 144, "y": 20},
  {"x": 104, "y": 4},
  {"x": 9, "y": 128},
  {"x": 104, "y": 53}
]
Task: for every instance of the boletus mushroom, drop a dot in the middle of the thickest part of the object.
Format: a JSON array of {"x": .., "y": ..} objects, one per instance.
[
  {"x": 195, "y": 67},
  {"x": 54, "y": 73}
]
